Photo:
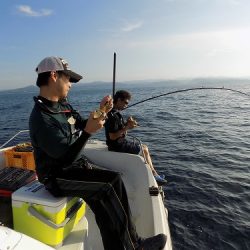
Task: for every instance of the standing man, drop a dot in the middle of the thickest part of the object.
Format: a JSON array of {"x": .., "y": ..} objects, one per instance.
[
  {"x": 116, "y": 129},
  {"x": 58, "y": 133}
]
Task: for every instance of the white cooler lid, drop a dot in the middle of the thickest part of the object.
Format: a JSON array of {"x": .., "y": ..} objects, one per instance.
[{"x": 36, "y": 193}]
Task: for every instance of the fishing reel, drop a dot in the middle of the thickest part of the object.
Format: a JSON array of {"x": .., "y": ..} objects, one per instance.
[
  {"x": 133, "y": 122},
  {"x": 103, "y": 110}
]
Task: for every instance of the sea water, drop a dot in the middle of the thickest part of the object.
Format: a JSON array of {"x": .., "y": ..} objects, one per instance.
[{"x": 199, "y": 139}]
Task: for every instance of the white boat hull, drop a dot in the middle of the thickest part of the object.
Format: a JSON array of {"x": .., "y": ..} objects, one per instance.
[{"x": 149, "y": 213}]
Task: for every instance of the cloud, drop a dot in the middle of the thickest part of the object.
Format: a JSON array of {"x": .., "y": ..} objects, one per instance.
[
  {"x": 234, "y": 2},
  {"x": 131, "y": 26},
  {"x": 28, "y": 11},
  {"x": 217, "y": 52},
  {"x": 208, "y": 44}
]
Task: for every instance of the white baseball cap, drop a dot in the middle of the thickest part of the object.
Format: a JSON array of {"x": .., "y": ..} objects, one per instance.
[{"x": 54, "y": 63}]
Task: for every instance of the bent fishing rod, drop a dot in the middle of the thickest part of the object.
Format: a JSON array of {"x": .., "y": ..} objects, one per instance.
[
  {"x": 186, "y": 90},
  {"x": 168, "y": 93}
]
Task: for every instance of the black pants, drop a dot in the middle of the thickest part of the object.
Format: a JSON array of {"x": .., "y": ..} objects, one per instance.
[
  {"x": 105, "y": 194},
  {"x": 125, "y": 146}
]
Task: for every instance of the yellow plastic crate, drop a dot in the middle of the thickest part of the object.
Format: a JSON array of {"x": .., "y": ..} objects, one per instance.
[
  {"x": 42, "y": 216},
  {"x": 19, "y": 159}
]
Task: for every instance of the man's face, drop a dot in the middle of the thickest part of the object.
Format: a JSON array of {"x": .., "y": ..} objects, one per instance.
[
  {"x": 63, "y": 85},
  {"x": 122, "y": 103}
]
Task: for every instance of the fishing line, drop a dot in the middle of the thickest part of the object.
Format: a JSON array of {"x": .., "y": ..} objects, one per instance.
[
  {"x": 186, "y": 90},
  {"x": 185, "y": 138}
]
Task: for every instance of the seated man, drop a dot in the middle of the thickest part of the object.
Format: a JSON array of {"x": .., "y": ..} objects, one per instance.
[
  {"x": 116, "y": 129},
  {"x": 58, "y": 133}
]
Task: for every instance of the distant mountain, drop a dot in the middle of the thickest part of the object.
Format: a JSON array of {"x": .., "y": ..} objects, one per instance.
[
  {"x": 196, "y": 82},
  {"x": 27, "y": 89},
  {"x": 218, "y": 82}
]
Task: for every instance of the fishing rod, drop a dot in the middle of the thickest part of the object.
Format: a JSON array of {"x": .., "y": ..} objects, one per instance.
[
  {"x": 186, "y": 90},
  {"x": 114, "y": 73}
]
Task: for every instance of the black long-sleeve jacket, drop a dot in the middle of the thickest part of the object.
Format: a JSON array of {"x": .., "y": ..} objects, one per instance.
[{"x": 57, "y": 135}]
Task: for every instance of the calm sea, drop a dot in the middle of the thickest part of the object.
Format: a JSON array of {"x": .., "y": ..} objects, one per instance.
[{"x": 200, "y": 140}]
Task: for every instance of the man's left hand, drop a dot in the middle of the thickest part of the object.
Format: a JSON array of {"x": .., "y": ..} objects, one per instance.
[{"x": 106, "y": 104}]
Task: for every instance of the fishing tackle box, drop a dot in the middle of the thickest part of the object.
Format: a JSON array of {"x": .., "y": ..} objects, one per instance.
[
  {"x": 12, "y": 178},
  {"x": 44, "y": 217}
]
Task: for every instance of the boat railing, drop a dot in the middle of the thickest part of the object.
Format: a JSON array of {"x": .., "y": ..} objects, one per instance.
[
  {"x": 134, "y": 138},
  {"x": 13, "y": 137}
]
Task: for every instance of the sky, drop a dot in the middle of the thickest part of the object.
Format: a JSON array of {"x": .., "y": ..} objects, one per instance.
[{"x": 153, "y": 39}]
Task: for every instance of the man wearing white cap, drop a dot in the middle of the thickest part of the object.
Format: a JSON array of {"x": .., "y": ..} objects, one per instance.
[{"x": 58, "y": 133}]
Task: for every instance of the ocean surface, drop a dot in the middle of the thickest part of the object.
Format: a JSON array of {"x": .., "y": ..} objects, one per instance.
[{"x": 199, "y": 139}]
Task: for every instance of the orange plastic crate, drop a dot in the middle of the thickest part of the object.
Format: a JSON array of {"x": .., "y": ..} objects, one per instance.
[{"x": 19, "y": 159}]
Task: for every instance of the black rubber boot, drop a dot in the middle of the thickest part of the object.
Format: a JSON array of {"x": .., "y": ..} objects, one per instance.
[{"x": 156, "y": 242}]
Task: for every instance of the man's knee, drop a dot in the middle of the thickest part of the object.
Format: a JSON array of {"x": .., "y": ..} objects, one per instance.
[{"x": 145, "y": 148}]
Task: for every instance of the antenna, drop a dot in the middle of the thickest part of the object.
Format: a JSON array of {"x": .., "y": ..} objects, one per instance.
[{"x": 114, "y": 72}]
